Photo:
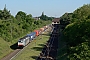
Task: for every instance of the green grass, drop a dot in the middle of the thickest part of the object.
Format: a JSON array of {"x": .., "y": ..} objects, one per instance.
[
  {"x": 4, "y": 48},
  {"x": 62, "y": 50},
  {"x": 32, "y": 51}
]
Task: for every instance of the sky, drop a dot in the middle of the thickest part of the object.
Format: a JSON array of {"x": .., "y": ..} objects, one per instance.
[{"x": 54, "y": 8}]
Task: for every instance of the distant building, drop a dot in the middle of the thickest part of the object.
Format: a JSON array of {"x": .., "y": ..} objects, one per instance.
[
  {"x": 36, "y": 18},
  {"x": 56, "y": 21}
]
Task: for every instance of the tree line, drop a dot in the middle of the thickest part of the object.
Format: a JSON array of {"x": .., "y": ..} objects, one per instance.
[
  {"x": 14, "y": 27},
  {"x": 45, "y": 17},
  {"x": 76, "y": 33}
]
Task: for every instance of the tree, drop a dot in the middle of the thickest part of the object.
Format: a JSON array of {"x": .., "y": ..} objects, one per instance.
[
  {"x": 82, "y": 12},
  {"x": 77, "y": 34},
  {"x": 45, "y": 17},
  {"x": 21, "y": 14},
  {"x": 5, "y": 14},
  {"x": 66, "y": 19}
]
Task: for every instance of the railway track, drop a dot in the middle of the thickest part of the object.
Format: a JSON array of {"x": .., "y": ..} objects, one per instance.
[
  {"x": 49, "y": 52},
  {"x": 11, "y": 55},
  {"x": 14, "y": 53}
]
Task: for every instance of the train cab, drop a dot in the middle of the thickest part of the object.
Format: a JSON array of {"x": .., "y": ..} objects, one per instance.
[{"x": 21, "y": 43}]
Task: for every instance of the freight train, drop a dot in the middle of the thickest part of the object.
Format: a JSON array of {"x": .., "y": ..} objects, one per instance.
[{"x": 22, "y": 42}]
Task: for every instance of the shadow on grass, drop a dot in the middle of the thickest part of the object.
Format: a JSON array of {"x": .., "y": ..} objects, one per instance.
[
  {"x": 46, "y": 34},
  {"x": 37, "y": 48},
  {"x": 14, "y": 46},
  {"x": 41, "y": 46},
  {"x": 34, "y": 57}
]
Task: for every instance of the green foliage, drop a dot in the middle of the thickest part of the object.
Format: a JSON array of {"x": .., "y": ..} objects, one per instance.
[
  {"x": 80, "y": 52},
  {"x": 14, "y": 27},
  {"x": 4, "y": 14},
  {"x": 44, "y": 17},
  {"x": 77, "y": 34},
  {"x": 77, "y": 38},
  {"x": 65, "y": 19},
  {"x": 82, "y": 12},
  {"x": 21, "y": 14}
]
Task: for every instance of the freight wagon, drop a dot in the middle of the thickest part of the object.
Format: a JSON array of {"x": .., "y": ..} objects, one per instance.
[
  {"x": 32, "y": 36},
  {"x": 37, "y": 32}
]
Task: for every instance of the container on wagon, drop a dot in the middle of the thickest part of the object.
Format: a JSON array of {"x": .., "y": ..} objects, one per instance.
[
  {"x": 37, "y": 32},
  {"x": 46, "y": 26},
  {"x": 32, "y": 35},
  {"x": 41, "y": 29}
]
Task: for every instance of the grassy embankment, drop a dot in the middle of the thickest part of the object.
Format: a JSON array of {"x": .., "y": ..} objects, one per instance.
[
  {"x": 62, "y": 48},
  {"x": 32, "y": 51},
  {"x": 4, "y": 47}
]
